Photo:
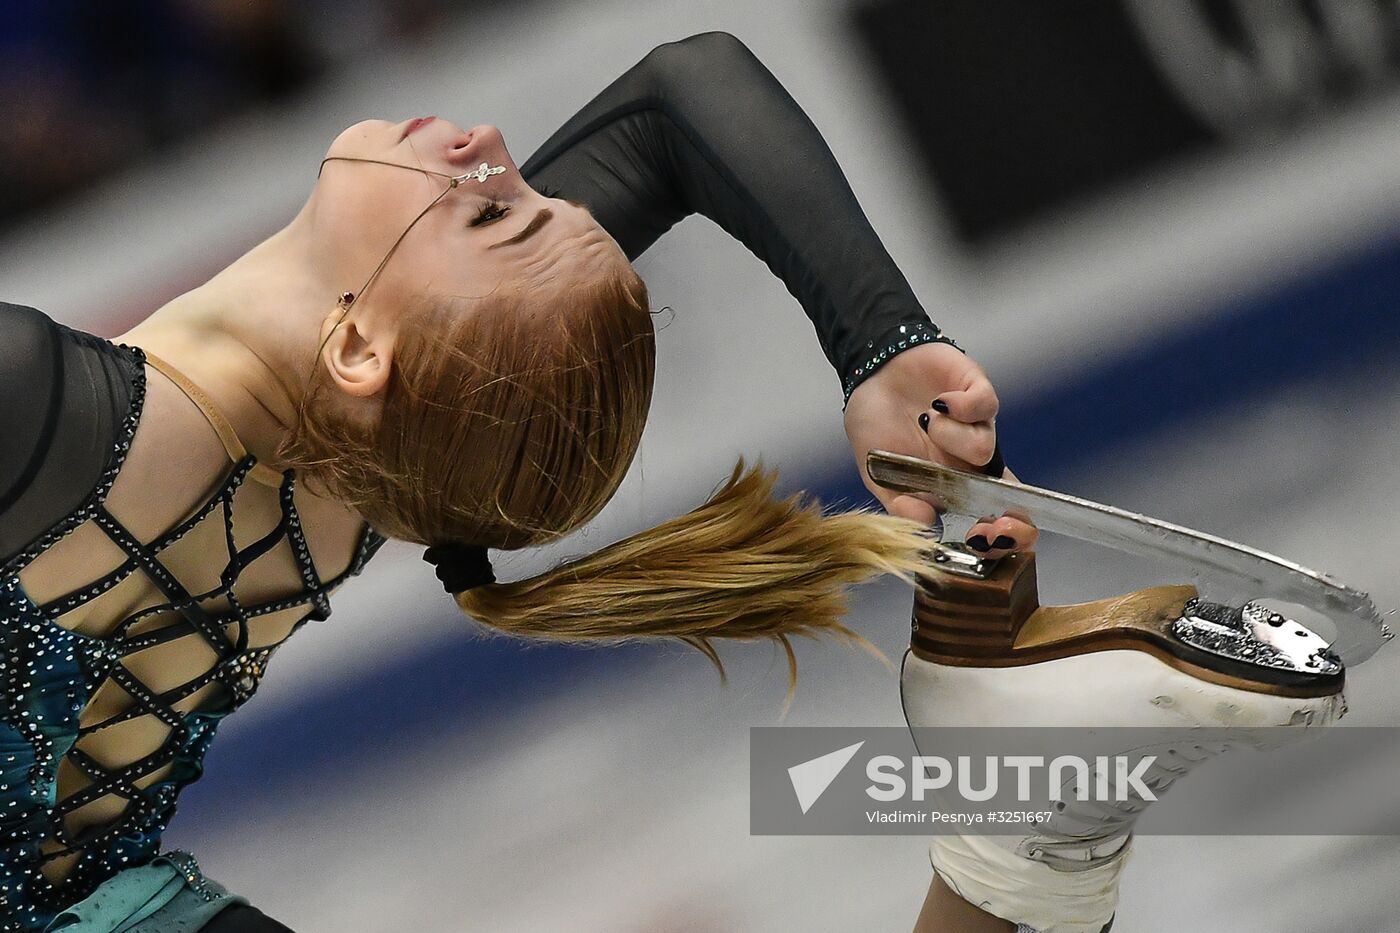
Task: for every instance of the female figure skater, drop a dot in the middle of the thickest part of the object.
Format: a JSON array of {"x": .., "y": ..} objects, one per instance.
[{"x": 442, "y": 348}]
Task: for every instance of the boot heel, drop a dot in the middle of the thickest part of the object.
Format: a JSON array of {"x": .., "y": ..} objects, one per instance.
[{"x": 971, "y": 607}]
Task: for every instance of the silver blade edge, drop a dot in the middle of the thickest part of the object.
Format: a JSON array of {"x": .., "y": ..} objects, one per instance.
[{"x": 1360, "y": 631}]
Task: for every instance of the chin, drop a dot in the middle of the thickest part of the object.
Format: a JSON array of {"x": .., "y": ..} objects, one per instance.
[{"x": 359, "y": 138}]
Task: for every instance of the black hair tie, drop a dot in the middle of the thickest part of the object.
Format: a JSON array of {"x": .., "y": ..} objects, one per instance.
[{"x": 460, "y": 567}]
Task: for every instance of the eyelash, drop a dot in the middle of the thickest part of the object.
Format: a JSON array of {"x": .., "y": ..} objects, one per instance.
[
  {"x": 504, "y": 209},
  {"x": 495, "y": 207}
]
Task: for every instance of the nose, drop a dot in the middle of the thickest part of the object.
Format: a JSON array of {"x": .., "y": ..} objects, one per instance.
[{"x": 481, "y": 143}]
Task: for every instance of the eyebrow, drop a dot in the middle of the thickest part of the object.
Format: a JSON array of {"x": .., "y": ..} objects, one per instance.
[{"x": 536, "y": 222}]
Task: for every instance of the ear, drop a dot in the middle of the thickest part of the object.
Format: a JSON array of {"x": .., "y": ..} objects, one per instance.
[{"x": 356, "y": 353}]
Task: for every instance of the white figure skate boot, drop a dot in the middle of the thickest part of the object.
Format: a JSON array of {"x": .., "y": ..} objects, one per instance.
[{"x": 984, "y": 652}]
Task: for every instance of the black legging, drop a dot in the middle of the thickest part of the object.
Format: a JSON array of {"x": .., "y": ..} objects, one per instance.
[{"x": 243, "y": 918}]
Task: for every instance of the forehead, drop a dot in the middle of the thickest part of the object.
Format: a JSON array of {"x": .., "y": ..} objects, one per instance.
[
  {"x": 570, "y": 231},
  {"x": 460, "y": 255}
]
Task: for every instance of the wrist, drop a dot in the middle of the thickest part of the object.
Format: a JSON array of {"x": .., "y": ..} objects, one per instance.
[{"x": 885, "y": 346}]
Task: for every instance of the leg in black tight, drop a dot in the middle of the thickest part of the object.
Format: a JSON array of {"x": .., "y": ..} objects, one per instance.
[{"x": 242, "y": 918}]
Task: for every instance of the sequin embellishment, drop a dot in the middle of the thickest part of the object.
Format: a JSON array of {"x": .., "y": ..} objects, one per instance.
[
  {"x": 878, "y": 352},
  {"x": 48, "y": 673}
]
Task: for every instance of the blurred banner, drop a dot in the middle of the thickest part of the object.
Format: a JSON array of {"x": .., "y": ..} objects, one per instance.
[{"x": 1019, "y": 106}]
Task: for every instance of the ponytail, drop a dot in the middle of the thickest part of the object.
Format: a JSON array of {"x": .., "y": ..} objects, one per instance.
[
  {"x": 744, "y": 565},
  {"x": 514, "y": 424}
]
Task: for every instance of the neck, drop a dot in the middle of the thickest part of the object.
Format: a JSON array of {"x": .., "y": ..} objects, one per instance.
[{"x": 248, "y": 336}]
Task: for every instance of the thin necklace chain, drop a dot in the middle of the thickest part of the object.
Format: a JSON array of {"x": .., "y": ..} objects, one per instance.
[{"x": 453, "y": 181}]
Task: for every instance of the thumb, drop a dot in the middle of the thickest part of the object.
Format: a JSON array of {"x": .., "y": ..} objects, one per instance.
[{"x": 910, "y": 506}]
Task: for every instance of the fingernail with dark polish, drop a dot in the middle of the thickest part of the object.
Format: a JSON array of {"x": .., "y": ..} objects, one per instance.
[
  {"x": 939, "y": 405},
  {"x": 1004, "y": 541},
  {"x": 979, "y": 543},
  {"x": 923, "y": 421}
]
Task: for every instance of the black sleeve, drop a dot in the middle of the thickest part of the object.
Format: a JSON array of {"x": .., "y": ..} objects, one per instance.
[
  {"x": 701, "y": 126},
  {"x": 64, "y": 398},
  {"x": 31, "y": 370}
]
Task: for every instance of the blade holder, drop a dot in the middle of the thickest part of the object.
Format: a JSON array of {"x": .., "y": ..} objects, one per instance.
[{"x": 970, "y": 606}]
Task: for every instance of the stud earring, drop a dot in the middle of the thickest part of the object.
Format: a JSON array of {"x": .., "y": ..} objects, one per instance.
[{"x": 346, "y": 299}]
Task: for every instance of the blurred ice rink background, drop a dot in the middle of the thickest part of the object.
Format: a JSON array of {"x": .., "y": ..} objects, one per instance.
[{"x": 1202, "y": 326}]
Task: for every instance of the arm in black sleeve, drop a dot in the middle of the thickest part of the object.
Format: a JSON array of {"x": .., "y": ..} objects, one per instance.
[
  {"x": 701, "y": 126},
  {"x": 31, "y": 393},
  {"x": 63, "y": 398}
]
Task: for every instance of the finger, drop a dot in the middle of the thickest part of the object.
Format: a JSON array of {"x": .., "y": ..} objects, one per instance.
[
  {"x": 977, "y": 402},
  {"x": 920, "y": 506},
  {"x": 996, "y": 537},
  {"x": 908, "y": 506},
  {"x": 973, "y": 444},
  {"x": 1015, "y": 523}
]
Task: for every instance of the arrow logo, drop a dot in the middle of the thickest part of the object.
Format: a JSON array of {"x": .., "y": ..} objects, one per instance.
[{"x": 810, "y": 779}]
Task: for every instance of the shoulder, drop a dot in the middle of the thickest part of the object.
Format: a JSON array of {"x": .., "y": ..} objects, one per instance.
[
  {"x": 697, "y": 57},
  {"x": 23, "y": 323},
  {"x": 30, "y": 349},
  {"x": 66, "y": 399},
  {"x": 35, "y": 350},
  {"x": 711, "y": 44}
]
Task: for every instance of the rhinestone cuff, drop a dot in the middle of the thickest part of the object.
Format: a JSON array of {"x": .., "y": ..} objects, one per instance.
[{"x": 898, "y": 338}]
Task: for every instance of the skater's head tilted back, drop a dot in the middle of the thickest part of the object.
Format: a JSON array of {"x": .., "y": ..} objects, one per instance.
[{"x": 490, "y": 389}]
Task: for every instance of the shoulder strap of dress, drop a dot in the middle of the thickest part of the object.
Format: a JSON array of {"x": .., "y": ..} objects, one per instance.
[{"x": 227, "y": 436}]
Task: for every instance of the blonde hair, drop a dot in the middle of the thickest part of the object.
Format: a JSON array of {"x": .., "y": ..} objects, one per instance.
[{"x": 514, "y": 424}]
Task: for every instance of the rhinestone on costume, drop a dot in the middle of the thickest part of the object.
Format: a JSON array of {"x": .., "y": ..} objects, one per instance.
[
  {"x": 48, "y": 674},
  {"x": 898, "y": 338}
]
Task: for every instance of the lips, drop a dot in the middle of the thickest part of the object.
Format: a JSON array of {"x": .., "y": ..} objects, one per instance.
[{"x": 415, "y": 125}]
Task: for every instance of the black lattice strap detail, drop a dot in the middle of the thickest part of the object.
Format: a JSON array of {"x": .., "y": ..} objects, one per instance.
[
  {"x": 232, "y": 483},
  {"x": 153, "y": 703},
  {"x": 370, "y": 543},
  {"x": 224, "y": 497},
  {"x": 62, "y": 604},
  {"x": 301, "y": 551},
  {"x": 224, "y": 588},
  {"x": 246, "y": 614},
  {"x": 102, "y": 835},
  {"x": 179, "y": 598},
  {"x": 239, "y": 615},
  {"x": 146, "y": 640},
  {"x": 120, "y": 782},
  {"x": 184, "y": 629},
  {"x": 166, "y": 700},
  {"x": 238, "y": 560},
  {"x": 238, "y": 669},
  {"x": 241, "y": 559}
]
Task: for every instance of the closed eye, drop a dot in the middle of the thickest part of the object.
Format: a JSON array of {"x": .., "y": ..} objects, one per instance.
[{"x": 490, "y": 213}]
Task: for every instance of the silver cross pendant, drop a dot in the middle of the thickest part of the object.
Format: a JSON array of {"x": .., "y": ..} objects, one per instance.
[{"x": 481, "y": 173}]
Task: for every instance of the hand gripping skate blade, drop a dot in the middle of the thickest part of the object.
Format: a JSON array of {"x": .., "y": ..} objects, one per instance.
[{"x": 1359, "y": 630}]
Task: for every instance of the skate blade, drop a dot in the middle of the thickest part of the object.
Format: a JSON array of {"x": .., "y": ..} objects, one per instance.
[{"x": 996, "y": 621}]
